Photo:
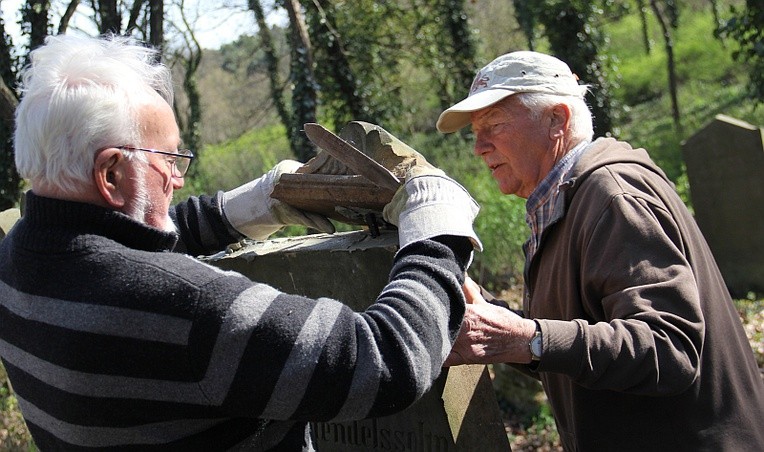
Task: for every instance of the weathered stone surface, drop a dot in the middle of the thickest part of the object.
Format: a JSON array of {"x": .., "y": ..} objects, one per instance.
[
  {"x": 459, "y": 413},
  {"x": 351, "y": 267},
  {"x": 725, "y": 163}
]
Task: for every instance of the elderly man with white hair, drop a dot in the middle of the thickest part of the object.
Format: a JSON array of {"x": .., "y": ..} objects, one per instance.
[
  {"x": 112, "y": 341},
  {"x": 626, "y": 319}
]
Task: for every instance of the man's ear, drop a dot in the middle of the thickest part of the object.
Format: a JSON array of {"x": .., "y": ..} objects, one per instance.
[
  {"x": 109, "y": 175},
  {"x": 560, "y": 121}
]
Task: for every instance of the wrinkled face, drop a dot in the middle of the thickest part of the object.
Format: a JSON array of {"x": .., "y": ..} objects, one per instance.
[
  {"x": 153, "y": 183},
  {"x": 514, "y": 146}
]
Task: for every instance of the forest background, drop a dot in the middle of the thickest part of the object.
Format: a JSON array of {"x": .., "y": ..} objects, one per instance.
[{"x": 659, "y": 71}]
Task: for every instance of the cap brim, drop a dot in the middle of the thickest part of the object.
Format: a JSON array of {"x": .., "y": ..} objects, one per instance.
[{"x": 459, "y": 115}]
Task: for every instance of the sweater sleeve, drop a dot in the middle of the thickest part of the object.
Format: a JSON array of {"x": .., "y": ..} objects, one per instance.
[
  {"x": 202, "y": 227},
  {"x": 281, "y": 356},
  {"x": 639, "y": 288}
]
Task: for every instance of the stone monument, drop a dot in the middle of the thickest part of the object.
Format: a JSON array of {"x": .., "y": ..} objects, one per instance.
[
  {"x": 459, "y": 413},
  {"x": 350, "y": 180},
  {"x": 725, "y": 167}
]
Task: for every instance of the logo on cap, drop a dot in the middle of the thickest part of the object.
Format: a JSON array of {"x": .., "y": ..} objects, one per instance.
[{"x": 481, "y": 81}]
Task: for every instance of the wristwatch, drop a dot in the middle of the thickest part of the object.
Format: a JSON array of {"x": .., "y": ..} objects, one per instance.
[{"x": 536, "y": 344}]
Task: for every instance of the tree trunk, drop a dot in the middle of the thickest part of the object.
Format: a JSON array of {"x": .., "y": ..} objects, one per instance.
[
  {"x": 10, "y": 181},
  {"x": 669, "y": 45},
  {"x": 304, "y": 97},
  {"x": 8, "y": 104},
  {"x": 272, "y": 64},
  {"x": 135, "y": 12},
  {"x": 645, "y": 31},
  {"x": 574, "y": 39},
  {"x": 461, "y": 45},
  {"x": 156, "y": 24},
  {"x": 525, "y": 15},
  {"x": 191, "y": 132},
  {"x": 715, "y": 12},
  {"x": 70, "y": 9},
  {"x": 337, "y": 65},
  {"x": 111, "y": 21},
  {"x": 35, "y": 13}
]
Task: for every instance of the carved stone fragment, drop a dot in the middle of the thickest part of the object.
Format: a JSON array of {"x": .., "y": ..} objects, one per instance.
[{"x": 328, "y": 186}]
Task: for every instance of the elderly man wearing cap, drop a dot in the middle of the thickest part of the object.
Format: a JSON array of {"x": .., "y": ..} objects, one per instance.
[{"x": 626, "y": 319}]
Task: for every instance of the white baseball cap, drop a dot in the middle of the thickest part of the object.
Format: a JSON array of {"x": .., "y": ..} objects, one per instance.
[{"x": 517, "y": 72}]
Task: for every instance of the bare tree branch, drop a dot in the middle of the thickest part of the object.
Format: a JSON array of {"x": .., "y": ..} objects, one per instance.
[
  {"x": 8, "y": 103},
  {"x": 70, "y": 9},
  {"x": 135, "y": 11}
]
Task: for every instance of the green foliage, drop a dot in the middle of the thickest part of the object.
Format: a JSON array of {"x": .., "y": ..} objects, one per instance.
[
  {"x": 643, "y": 76},
  {"x": 543, "y": 427},
  {"x": 230, "y": 164},
  {"x": 751, "y": 310},
  {"x": 356, "y": 59},
  {"x": 244, "y": 55},
  {"x": 709, "y": 84},
  {"x": 14, "y": 436},
  {"x": 372, "y": 58},
  {"x": 746, "y": 27},
  {"x": 501, "y": 221},
  {"x": 234, "y": 83},
  {"x": 452, "y": 50},
  {"x": 572, "y": 29},
  {"x": 502, "y": 229}
]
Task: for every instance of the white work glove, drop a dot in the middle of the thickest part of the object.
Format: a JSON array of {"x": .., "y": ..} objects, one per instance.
[
  {"x": 251, "y": 210},
  {"x": 429, "y": 204}
]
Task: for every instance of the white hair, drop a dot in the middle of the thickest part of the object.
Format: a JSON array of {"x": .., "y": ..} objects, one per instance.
[
  {"x": 581, "y": 126},
  {"x": 80, "y": 95}
]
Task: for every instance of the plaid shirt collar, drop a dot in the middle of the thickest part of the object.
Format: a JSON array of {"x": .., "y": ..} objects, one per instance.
[{"x": 544, "y": 205}]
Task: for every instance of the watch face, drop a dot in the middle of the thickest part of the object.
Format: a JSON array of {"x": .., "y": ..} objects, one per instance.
[{"x": 536, "y": 346}]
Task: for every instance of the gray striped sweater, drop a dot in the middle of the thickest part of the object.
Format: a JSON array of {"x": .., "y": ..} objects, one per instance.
[{"x": 113, "y": 342}]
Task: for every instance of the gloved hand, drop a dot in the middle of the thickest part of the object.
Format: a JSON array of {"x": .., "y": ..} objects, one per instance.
[
  {"x": 429, "y": 204},
  {"x": 251, "y": 210}
]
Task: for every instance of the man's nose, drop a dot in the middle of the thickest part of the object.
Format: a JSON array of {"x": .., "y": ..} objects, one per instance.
[{"x": 481, "y": 147}]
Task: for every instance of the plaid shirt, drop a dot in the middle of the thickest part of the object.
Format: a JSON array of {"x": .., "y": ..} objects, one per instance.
[{"x": 545, "y": 205}]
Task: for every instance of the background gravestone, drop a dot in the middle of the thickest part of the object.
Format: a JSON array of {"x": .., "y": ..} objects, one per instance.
[
  {"x": 725, "y": 167},
  {"x": 459, "y": 413}
]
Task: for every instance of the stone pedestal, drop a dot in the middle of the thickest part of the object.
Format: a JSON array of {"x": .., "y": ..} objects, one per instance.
[{"x": 459, "y": 413}]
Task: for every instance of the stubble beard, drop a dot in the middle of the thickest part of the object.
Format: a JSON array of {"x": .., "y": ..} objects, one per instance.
[{"x": 142, "y": 206}]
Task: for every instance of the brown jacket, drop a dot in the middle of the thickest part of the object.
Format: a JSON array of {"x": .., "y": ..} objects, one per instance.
[{"x": 643, "y": 347}]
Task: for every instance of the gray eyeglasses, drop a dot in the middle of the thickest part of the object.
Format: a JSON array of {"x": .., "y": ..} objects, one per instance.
[{"x": 179, "y": 162}]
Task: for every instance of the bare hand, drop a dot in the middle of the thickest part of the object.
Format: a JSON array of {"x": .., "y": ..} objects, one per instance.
[{"x": 489, "y": 333}]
